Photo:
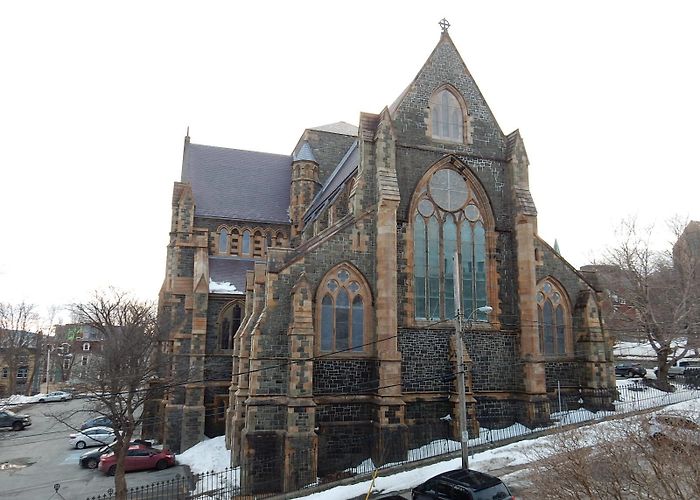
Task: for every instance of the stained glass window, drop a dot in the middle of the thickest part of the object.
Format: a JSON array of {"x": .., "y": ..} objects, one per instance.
[
  {"x": 448, "y": 220},
  {"x": 554, "y": 319},
  {"x": 342, "y": 315},
  {"x": 223, "y": 241}
]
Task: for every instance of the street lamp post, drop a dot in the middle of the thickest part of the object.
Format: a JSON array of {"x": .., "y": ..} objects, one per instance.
[{"x": 459, "y": 346}]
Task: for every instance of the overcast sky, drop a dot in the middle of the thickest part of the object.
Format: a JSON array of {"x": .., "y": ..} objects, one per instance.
[{"x": 95, "y": 99}]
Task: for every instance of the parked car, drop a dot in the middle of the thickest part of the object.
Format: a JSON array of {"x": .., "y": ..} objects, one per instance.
[
  {"x": 55, "y": 396},
  {"x": 91, "y": 459},
  {"x": 14, "y": 421},
  {"x": 462, "y": 484},
  {"x": 138, "y": 457},
  {"x": 630, "y": 370},
  {"x": 100, "y": 421},
  {"x": 94, "y": 436}
]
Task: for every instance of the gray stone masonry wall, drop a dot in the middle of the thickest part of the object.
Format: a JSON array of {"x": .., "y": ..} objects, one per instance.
[
  {"x": 425, "y": 365},
  {"x": 496, "y": 364},
  {"x": 218, "y": 367},
  {"x": 567, "y": 373},
  {"x": 344, "y": 412},
  {"x": 497, "y": 413},
  {"x": 328, "y": 149},
  {"x": 215, "y": 305},
  {"x": 185, "y": 262},
  {"x": 411, "y": 117},
  {"x": 345, "y": 376},
  {"x": 343, "y": 446}
]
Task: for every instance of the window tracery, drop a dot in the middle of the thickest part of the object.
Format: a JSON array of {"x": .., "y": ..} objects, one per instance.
[
  {"x": 449, "y": 219},
  {"x": 343, "y": 311},
  {"x": 554, "y": 318},
  {"x": 229, "y": 322}
]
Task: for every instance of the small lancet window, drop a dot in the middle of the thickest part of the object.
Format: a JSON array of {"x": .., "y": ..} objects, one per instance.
[
  {"x": 245, "y": 243},
  {"x": 554, "y": 319},
  {"x": 223, "y": 241},
  {"x": 447, "y": 117}
]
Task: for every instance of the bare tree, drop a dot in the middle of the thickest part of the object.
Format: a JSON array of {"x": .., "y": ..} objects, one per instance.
[
  {"x": 624, "y": 462},
  {"x": 661, "y": 289},
  {"x": 119, "y": 377},
  {"x": 17, "y": 343}
]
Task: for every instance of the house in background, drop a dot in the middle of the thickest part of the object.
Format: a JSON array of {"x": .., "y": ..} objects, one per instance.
[
  {"x": 75, "y": 347},
  {"x": 310, "y": 297},
  {"x": 20, "y": 362}
]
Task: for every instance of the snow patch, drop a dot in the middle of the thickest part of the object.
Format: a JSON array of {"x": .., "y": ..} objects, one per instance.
[
  {"x": 221, "y": 287},
  {"x": 206, "y": 456}
]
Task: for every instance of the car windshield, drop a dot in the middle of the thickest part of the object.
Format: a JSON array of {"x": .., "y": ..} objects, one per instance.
[{"x": 10, "y": 413}]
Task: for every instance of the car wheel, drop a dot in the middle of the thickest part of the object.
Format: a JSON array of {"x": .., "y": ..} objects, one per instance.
[
  {"x": 161, "y": 464},
  {"x": 630, "y": 374},
  {"x": 91, "y": 463},
  {"x": 42, "y": 400},
  {"x": 112, "y": 470},
  {"x": 17, "y": 426},
  {"x": 80, "y": 445}
]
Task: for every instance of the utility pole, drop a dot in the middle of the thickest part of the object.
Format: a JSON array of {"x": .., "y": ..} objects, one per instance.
[
  {"x": 459, "y": 346},
  {"x": 463, "y": 431},
  {"x": 48, "y": 365}
]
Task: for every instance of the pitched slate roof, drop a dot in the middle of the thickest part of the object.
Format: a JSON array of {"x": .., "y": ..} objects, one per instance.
[
  {"x": 237, "y": 184},
  {"x": 345, "y": 169},
  {"x": 230, "y": 270},
  {"x": 305, "y": 153},
  {"x": 343, "y": 128}
]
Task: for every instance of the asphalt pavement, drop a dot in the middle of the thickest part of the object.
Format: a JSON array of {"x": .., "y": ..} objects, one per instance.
[{"x": 37, "y": 459}]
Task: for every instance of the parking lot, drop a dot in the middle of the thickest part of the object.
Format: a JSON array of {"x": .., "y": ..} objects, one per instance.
[{"x": 35, "y": 459}]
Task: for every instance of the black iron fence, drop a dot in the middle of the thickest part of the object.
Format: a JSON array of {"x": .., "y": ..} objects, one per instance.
[{"x": 567, "y": 408}]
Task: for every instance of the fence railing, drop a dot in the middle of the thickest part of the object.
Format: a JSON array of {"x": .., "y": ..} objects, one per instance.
[{"x": 566, "y": 409}]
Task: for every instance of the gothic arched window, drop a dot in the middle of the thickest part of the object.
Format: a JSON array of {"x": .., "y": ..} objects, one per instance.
[
  {"x": 343, "y": 316},
  {"x": 230, "y": 320},
  {"x": 245, "y": 243},
  {"x": 223, "y": 240},
  {"x": 554, "y": 319},
  {"x": 448, "y": 219},
  {"x": 447, "y": 117}
]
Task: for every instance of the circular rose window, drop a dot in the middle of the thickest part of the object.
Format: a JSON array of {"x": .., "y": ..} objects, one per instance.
[{"x": 448, "y": 189}]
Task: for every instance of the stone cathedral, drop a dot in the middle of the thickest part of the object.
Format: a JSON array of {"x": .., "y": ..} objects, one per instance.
[{"x": 310, "y": 298}]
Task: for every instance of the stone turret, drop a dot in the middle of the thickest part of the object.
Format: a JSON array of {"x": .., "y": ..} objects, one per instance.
[{"x": 304, "y": 186}]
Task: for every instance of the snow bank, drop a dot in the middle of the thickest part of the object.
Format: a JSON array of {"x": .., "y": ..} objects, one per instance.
[
  {"x": 209, "y": 455},
  {"x": 18, "y": 399}
]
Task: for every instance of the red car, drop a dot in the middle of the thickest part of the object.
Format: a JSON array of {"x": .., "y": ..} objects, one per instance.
[{"x": 139, "y": 457}]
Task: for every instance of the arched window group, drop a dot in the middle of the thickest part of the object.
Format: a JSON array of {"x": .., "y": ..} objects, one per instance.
[
  {"x": 448, "y": 219},
  {"x": 343, "y": 302},
  {"x": 246, "y": 242},
  {"x": 229, "y": 322},
  {"x": 447, "y": 117},
  {"x": 554, "y": 318}
]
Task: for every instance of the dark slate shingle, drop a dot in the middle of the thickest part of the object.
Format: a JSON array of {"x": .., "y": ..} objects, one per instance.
[{"x": 237, "y": 184}]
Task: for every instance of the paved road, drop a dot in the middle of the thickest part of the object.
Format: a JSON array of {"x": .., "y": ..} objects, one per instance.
[{"x": 32, "y": 461}]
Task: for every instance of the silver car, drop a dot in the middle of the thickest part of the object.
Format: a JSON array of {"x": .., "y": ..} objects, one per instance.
[
  {"x": 94, "y": 436},
  {"x": 55, "y": 396}
]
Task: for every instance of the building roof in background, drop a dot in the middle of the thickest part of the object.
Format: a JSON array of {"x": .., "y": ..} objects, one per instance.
[
  {"x": 227, "y": 183},
  {"x": 343, "y": 128}
]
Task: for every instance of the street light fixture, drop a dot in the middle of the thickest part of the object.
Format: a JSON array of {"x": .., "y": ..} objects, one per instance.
[{"x": 459, "y": 346}]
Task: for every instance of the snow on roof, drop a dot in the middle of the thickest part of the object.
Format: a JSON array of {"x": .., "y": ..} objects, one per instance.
[{"x": 221, "y": 287}]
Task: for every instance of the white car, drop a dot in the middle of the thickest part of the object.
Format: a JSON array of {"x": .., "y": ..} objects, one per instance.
[
  {"x": 55, "y": 396},
  {"x": 94, "y": 436}
]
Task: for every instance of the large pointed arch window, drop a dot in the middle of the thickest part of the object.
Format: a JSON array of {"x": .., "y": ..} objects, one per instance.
[
  {"x": 554, "y": 319},
  {"x": 448, "y": 220},
  {"x": 343, "y": 315},
  {"x": 447, "y": 117},
  {"x": 229, "y": 322}
]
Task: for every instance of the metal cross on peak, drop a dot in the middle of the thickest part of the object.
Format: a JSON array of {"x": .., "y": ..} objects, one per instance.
[{"x": 444, "y": 24}]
